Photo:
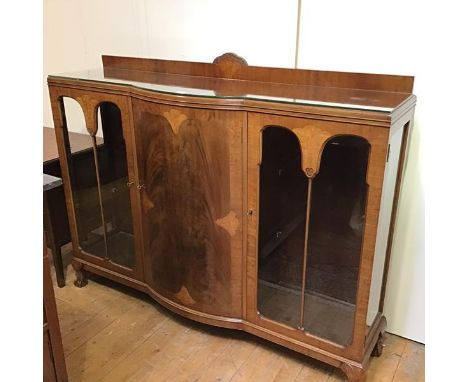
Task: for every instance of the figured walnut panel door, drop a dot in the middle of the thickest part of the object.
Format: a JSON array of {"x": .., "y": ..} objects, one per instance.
[
  {"x": 190, "y": 162},
  {"x": 314, "y": 189}
]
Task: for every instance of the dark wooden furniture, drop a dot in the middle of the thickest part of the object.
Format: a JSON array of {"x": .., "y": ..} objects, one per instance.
[
  {"x": 55, "y": 220},
  {"x": 260, "y": 199},
  {"x": 54, "y": 368},
  {"x": 55, "y": 210}
]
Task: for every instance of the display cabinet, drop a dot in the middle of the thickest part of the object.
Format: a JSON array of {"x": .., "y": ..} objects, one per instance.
[{"x": 260, "y": 199}]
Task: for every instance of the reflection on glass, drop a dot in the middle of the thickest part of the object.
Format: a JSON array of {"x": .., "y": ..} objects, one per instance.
[
  {"x": 337, "y": 214},
  {"x": 79, "y": 148},
  {"x": 283, "y": 198},
  {"x": 312, "y": 287},
  {"x": 361, "y": 99},
  {"x": 115, "y": 193},
  {"x": 99, "y": 177}
]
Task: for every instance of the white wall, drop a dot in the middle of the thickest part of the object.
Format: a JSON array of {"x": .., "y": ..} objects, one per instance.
[
  {"x": 78, "y": 32},
  {"x": 375, "y": 37},
  {"x": 361, "y": 36}
]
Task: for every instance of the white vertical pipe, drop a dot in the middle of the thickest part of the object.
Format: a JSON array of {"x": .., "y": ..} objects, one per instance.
[{"x": 298, "y": 30}]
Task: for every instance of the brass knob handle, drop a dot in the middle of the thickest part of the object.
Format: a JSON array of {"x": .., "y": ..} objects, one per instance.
[
  {"x": 130, "y": 184},
  {"x": 141, "y": 186}
]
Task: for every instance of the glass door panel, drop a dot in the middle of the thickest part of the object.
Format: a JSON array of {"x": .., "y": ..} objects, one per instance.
[
  {"x": 282, "y": 215},
  {"x": 84, "y": 184},
  {"x": 336, "y": 223},
  {"x": 114, "y": 187}
]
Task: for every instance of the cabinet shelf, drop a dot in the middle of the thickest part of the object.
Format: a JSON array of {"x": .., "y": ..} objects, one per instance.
[{"x": 326, "y": 317}]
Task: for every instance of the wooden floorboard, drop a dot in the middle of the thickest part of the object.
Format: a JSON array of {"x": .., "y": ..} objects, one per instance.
[{"x": 112, "y": 333}]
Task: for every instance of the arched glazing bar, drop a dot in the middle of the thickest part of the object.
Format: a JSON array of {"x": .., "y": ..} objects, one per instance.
[
  {"x": 96, "y": 157},
  {"x": 282, "y": 220},
  {"x": 336, "y": 217},
  {"x": 112, "y": 168},
  {"x": 80, "y": 149},
  {"x": 310, "y": 233}
]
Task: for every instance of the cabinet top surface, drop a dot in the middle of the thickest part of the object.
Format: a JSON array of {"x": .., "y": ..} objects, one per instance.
[{"x": 230, "y": 79}]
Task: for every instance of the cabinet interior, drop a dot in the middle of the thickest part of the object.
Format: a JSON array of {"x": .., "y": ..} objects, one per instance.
[
  {"x": 101, "y": 196},
  {"x": 319, "y": 277}
]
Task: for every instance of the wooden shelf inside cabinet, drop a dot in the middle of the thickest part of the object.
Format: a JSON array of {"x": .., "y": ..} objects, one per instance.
[{"x": 255, "y": 198}]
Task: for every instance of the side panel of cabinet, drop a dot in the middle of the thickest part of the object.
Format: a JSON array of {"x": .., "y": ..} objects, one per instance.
[
  {"x": 100, "y": 180},
  {"x": 318, "y": 167},
  {"x": 190, "y": 166}
]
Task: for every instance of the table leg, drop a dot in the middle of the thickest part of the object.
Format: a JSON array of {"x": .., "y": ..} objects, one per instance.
[{"x": 54, "y": 246}]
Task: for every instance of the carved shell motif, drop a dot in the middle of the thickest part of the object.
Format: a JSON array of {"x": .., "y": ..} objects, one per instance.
[{"x": 229, "y": 64}]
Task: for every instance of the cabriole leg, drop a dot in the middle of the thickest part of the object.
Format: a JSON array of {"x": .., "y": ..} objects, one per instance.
[
  {"x": 81, "y": 277},
  {"x": 378, "y": 348}
]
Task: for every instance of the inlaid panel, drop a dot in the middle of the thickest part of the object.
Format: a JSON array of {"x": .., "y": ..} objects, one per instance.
[{"x": 190, "y": 167}]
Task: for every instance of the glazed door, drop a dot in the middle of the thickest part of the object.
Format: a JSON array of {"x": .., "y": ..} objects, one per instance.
[
  {"x": 313, "y": 195},
  {"x": 190, "y": 165},
  {"x": 95, "y": 140}
]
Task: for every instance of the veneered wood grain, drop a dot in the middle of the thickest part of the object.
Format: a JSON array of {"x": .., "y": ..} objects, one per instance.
[
  {"x": 330, "y": 79},
  {"x": 350, "y": 115},
  {"x": 190, "y": 164}
]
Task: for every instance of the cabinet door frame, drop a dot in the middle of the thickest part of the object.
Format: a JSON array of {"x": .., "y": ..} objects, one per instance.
[
  {"x": 313, "y": 135},
  {"x": 175, "y": 116},
  {"x": 90, "y": 102}
]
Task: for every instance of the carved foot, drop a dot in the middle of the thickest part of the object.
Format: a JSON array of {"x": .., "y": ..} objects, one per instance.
[
  {"x": 81, "y": 277},
  {"x": 378, "y": 348},
  {"x": 353, "y": 373}
]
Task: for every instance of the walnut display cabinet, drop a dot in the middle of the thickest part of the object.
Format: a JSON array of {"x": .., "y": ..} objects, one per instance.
[{"x": 253, "y": 198}]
